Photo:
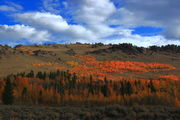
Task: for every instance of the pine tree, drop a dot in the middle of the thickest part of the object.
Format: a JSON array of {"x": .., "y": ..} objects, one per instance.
[
  {"x": 122, "y": 89},
  {"x": 31, "y": 74},
  {"x": 151, "y": 86},
  {"x": 129, "y": 88},
  {"x": 74, "y": 80},
  {"x": 104, "y": 88},
  {"x": 90, "y": 86},
  {"x": 7, "y": 96},
  {"x": 39, "y": 75},
  {"x": 24, "y": 92}
]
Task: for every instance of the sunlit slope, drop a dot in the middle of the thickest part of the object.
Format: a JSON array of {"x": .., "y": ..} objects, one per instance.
[{"x": 81, "y": 58}]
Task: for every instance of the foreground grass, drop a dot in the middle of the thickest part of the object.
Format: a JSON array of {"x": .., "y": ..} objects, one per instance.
[{"x": 109, "y": 112}]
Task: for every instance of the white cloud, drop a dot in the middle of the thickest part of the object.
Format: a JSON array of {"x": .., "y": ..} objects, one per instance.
[
  {"x": 11, "y": 7},
  {"x": 52, "y": 6},
  {"x": 44, "y": 20},
  {"x": 65, "y": 4},
  {"x": 159, "y": 13},
  {"x": 16, "y": 33},
  {"x": 15, "y": 5},
  {"x": 126, "y": 36},
  {"x": 97, "y": 15},
  {"x": 102, "y": 30},
  {"x": 125, "y": 17},
  {"x": 92, "y": 12},
  {"x": 93, "y": 18},
  {"x": 56, "y": 25},
  {"x": 6, "y": 8},
  {"x": 94, "y": 15}
]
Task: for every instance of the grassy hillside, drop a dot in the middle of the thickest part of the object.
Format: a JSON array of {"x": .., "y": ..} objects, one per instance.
[
  {"x": 53, "y": 57},
  {"x": 20, "y": 59}
]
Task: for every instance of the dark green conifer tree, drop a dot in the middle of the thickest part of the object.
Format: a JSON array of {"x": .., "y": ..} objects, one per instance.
[
  {"x": 90, "y": 86},
  {"x": 7, "y": 96},
  {"x": 30, "y": 74},
  {"x": 104, "y": 88},
  {"x": 151, "y": 86},
  {"x": 122, "y": 89},
  {"x": 129, "y": 88},
  {"x": 39, "y": 75}
]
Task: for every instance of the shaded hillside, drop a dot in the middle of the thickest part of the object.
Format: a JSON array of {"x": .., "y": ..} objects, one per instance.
[{"x": 130, "y": 49}]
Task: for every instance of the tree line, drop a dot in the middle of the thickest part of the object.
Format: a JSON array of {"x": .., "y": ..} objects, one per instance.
[{"x": 57, "y": 87}]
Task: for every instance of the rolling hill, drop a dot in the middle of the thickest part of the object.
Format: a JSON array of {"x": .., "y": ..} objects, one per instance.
[{"x": 64, "y": 57}]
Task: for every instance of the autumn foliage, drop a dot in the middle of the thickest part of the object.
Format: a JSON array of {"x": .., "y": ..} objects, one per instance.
[
  {"x": 90, "y": 66},
  {"x": 170, "y": 77},
  {"x": 99, "y": 69},
  {"x": 90, "y": 80},
  {"x": 61, "y": 87}
]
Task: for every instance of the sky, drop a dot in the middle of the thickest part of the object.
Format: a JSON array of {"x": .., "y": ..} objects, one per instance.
[{"x": 140, "y": 22}]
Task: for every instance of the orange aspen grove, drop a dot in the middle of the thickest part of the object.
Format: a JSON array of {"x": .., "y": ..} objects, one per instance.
[
  {"x": 170, "y": 77},
  {"x": 96, "y": 84},
  {"x": 99, "y": 69}
]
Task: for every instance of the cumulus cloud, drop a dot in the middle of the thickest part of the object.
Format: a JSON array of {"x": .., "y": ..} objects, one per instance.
[
  {"x": 159, "y": 13},
  {"x": 44, "y": 20},
  {"x": 126, "y": 36},
  {"x": 22, "y": 33},
  {"x": 92, "y": 12},
  {"x": 98, "y": 15},
  {"x": 94, "y": 15},
  {"x": 56, "y": 25},
  {"x": 91, "y": 21}
]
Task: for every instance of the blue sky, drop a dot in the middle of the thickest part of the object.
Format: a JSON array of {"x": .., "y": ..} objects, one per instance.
[{"x": 140, "y": 22}]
